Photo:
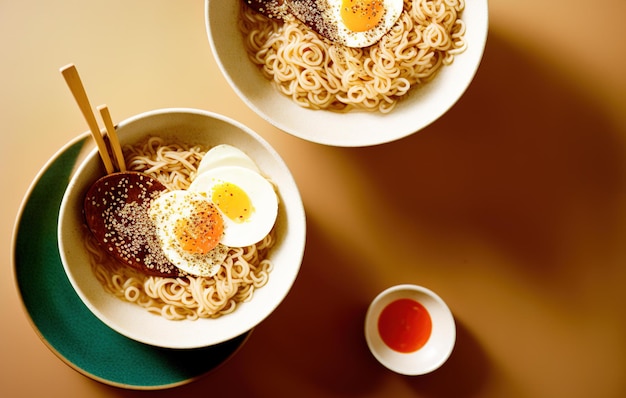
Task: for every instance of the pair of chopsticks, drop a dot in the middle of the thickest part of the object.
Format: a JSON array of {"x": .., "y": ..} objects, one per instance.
[{"x": 70, "y": 73}]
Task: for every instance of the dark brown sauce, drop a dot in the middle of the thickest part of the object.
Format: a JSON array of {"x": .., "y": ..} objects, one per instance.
[{"x": 116, "y": 212}]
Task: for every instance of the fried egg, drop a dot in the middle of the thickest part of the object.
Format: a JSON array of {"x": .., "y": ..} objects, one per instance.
[
  {"x": 189, "y": 229},
  {"x": 245, "y": 199},
  {"x": 354, "y": 23}
]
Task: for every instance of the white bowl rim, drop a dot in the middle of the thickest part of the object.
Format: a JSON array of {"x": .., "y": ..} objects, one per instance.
[
  {"x": 404, "y": 363},
  {"x": 297, "y": 212},
  {"x": 363, "y": 128}
]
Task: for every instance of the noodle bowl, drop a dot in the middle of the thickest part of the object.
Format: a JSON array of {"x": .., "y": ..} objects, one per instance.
[
  {"x": 422, "y": 104},
  {"x": 209, "y": 311},
  {"x": 318, "y": 74}
]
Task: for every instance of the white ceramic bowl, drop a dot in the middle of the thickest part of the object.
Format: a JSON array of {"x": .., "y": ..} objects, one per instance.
[
  {"x": 352, "y": 129},
  {"x": 191, "y": 126},
  {"x": 437, "y": 348}
]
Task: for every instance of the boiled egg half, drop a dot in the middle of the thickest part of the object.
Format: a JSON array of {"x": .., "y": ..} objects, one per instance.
[
  {"x": 354, "y": 23},
  {"x": 246, "y": 200},
  {"x": 189, "y": 229},
  {"x": 225, "y": 155}
]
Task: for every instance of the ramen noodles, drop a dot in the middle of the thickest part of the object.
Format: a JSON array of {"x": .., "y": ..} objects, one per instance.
[{"x": 319, "y": 74}]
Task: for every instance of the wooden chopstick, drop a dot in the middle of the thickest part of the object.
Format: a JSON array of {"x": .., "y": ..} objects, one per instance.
[
  {"x": 116, "y": 148},
  {"x": 78, "y": 91}
]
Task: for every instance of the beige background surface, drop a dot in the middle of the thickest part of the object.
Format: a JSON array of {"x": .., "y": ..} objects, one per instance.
[{"x": 512, "y": 207}]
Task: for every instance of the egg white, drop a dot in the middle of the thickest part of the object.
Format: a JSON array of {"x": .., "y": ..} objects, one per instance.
[
  {"x": 261, "y": 193},
  {"x": 225, "y": 155},
  {"x": 164, "y": 212}
]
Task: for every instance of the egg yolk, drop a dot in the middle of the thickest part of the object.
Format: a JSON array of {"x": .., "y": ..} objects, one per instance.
[
  {"x": 361, "y": 15},
  {"x": 232, "y": 201},
  {"x": 200, "y": 232}
]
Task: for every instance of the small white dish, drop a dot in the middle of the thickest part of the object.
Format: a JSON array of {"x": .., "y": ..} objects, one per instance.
[
  {"x": 439, "y": 344},
  {"x": 181, "y": 125},
  {"x": 355, "y": 128}
]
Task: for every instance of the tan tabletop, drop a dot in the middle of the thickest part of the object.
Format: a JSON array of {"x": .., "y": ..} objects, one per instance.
[{"x": 512, "y": 207}]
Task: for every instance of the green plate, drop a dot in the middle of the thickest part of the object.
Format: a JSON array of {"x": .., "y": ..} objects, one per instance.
[{"x": 64, "y": 323}]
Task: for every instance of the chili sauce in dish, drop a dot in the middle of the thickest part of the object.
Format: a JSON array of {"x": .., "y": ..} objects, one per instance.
[{"x": 404, "y": 325}]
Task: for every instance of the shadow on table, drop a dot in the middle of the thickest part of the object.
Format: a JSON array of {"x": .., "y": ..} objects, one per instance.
[
  {"x": 523, "y": 151},
  {"x": 463, "y": 375},
  {"x": 523, "y": 162}
]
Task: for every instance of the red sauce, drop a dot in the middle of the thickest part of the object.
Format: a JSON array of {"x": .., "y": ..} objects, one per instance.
[{"x": 405, "y": 325}]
